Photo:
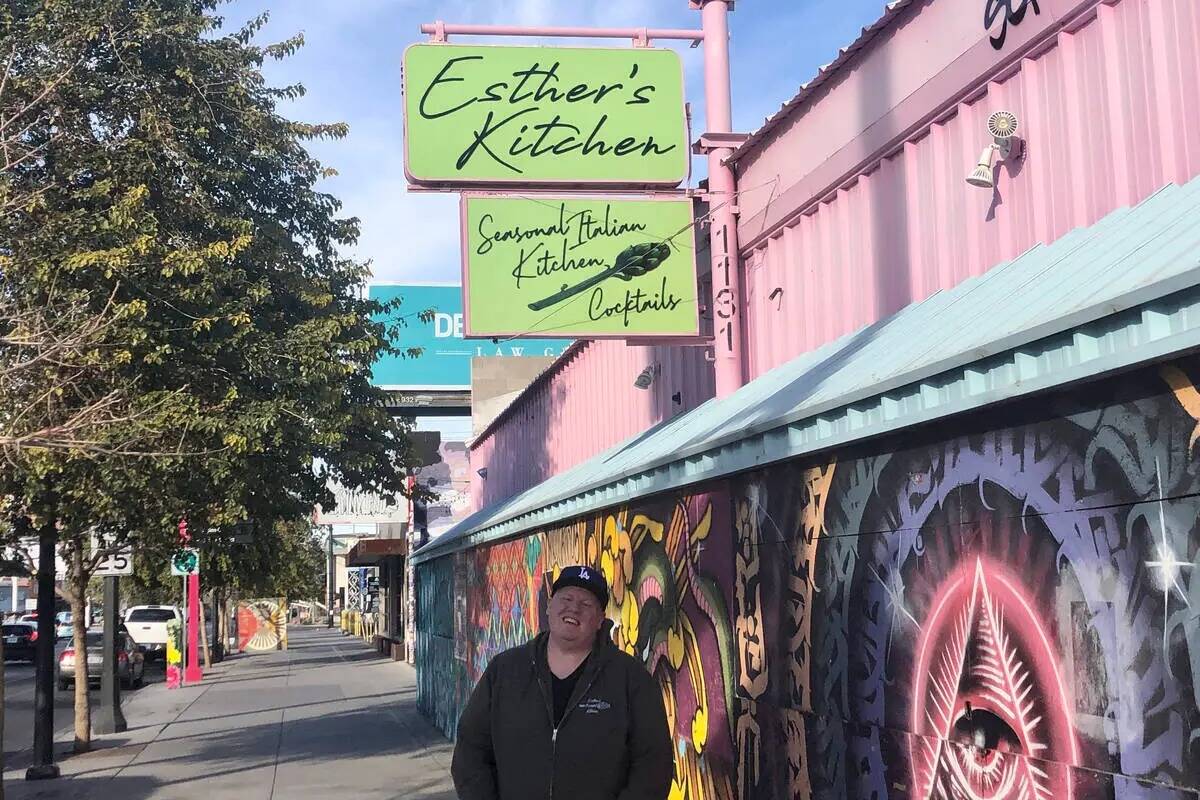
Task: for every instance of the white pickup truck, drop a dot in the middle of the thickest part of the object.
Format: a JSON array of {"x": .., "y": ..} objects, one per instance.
[{"x": 147, "y": 626}]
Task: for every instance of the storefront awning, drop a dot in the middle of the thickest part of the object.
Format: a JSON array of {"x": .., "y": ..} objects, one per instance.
[
  {"x": 1123, "y": 292},
  {"x": 371, "y": 552}
]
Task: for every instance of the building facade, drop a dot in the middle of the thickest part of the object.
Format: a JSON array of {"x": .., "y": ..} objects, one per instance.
[
  {"x": 853, "y": 201},
  {"x": 945, "y": 542}
]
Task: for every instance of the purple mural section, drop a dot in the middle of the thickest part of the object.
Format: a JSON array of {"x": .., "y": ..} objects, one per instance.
[{"x": 1007, "y": 606}]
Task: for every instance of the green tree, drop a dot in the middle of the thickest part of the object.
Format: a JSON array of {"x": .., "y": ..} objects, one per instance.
[
  {"x": 294, "y": 565},
  {"x": 152, "y": 581},
  {"x": 151, "y": 183}
]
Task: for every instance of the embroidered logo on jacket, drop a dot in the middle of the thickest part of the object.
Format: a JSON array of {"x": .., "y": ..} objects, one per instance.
[{"x": 594, "y": 706}]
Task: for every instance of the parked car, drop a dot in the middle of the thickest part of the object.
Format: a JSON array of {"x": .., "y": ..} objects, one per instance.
[
  {"x": 131, "y": 664},
  {"x": 20, "y": 640},
  {"x": 147, "y": 625},
  {"x": 63, "y": 628}
]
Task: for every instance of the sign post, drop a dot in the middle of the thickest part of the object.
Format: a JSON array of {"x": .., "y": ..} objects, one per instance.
[
  {"x": 186, "y": 562},
  {"x": 113, "y": 564},
  {"x": 331, "y": 577},
  {"x": 109, "y": 718},
  {"x": 718, "y": 143}
]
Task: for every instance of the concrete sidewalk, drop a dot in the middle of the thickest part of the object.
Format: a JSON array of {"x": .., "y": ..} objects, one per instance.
[{"x": 327, "y": 718}]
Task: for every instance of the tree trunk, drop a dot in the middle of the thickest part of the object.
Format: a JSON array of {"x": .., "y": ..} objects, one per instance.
[
  {"x": 204, "y": 639},
  {"x": 221, "y": 626},
  {"x": 83, "y": 705},
  {"x": 231, "y": 614}
]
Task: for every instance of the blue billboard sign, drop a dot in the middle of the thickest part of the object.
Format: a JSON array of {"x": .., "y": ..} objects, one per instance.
[{"x": 445, "y": 360}]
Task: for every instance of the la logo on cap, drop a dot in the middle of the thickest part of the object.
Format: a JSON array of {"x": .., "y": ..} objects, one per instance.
[{"x": 583, "y": 573}]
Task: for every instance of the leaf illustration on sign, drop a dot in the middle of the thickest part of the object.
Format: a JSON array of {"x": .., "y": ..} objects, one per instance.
[
  {"x": 632, "y": 262},
  {"x": 540, "y": 266}
]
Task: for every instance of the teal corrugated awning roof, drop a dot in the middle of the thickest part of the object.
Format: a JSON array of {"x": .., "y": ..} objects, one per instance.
[{"x": 1122, "y": 292}]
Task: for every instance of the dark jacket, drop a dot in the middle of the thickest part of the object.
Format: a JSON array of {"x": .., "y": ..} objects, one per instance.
[{"x": 612, "y": 743}]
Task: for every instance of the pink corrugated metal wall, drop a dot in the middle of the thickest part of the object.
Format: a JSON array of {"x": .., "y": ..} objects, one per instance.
[
  {"x": 584, "y": 404},
  {"x": 1107, "y": 108},
  {"x": 1108, "y": 112}
]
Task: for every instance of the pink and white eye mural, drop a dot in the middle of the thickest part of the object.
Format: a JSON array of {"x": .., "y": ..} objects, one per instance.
[{"x": 988, "y": 694}]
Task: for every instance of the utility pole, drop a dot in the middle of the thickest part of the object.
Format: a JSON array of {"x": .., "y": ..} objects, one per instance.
[
  {"x": 43, "y": 704},
  {"x": 109, "y": 718}
]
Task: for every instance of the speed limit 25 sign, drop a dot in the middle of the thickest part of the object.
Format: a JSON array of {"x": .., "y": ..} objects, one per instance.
[{"x": 112, "y": 564}]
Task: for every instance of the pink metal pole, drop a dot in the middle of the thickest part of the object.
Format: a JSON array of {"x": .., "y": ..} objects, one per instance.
[
  {"x": 193, "y": 674},
  {"x": 441, "y": 29},
  {"x": 191, "y": 671},
  {"x": 722, "y": 186}
]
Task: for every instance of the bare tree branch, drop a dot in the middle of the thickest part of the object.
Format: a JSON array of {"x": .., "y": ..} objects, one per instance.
[{"x": 49, "y": 358}]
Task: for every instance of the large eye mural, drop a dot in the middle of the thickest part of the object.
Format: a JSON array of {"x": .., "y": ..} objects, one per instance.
[
  {"x": 961, "y": 651},
  {"x": 988, "y": 697}
]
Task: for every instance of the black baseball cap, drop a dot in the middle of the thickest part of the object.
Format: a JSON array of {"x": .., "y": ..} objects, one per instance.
[{"x": 588, "y": 578}]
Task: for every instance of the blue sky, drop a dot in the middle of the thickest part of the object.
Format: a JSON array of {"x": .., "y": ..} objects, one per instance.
[{"x": 350, "y": 66}]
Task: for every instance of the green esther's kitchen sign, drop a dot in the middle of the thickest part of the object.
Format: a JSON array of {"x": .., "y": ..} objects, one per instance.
[
  {"x": 578, "y": 267},
  {"x": 544, "y": 115}
]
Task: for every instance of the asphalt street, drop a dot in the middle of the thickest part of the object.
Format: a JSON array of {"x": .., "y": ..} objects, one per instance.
[{"x": 18, "y": 702}]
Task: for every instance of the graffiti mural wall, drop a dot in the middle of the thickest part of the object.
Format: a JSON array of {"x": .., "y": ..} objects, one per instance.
[
  {"x": 1007, "y": 611},
  {"x": 441, "y": 693},
  {"x": 261, "y": 625},
  {"x": 1002, "y": 609}
]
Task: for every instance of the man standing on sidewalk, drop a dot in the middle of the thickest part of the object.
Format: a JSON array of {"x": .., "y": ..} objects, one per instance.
[{"x": 566, "y": 716}]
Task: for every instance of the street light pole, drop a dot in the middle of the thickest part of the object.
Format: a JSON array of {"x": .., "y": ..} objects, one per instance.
[
  {"x": 43, "y": 721},
  {"x": 330, "y": 588}
]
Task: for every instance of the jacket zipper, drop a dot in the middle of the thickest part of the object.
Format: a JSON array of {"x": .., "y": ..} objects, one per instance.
[
  {"x": 550, "y": 714},
  {"x": 553, "y": 727}
]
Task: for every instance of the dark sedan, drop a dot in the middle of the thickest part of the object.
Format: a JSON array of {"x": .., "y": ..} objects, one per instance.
[{"x": 20, "y": 641}]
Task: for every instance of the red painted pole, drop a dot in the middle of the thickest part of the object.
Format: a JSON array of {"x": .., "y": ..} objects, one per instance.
[{"x": 193, "y": 673}]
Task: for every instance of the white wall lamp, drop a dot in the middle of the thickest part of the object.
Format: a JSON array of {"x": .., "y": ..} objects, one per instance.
[
  {"x": 647, "y": 376},
  {"x": 1002, "y": 125}
]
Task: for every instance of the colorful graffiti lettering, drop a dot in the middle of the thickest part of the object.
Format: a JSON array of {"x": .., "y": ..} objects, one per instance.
[
  {"x": 1005, "y": 607},
  {"x": 666, "y": 607}
]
